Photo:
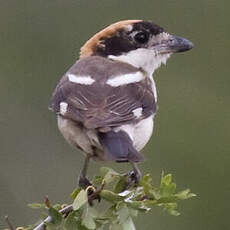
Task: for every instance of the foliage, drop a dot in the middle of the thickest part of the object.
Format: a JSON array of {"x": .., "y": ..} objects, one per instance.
[{"x": 120, "y": 205}]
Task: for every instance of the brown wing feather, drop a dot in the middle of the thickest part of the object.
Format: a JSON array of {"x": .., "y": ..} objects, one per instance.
[{"x": 100, "y": 105}]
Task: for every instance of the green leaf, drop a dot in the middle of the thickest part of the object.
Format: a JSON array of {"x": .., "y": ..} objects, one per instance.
[
  {"x": 71, "y": 221},
  {"x": 167, "y": 188},
  {"x": 97, "y": 180},
  {"x": 128, "y": 224},
  {"x": 166, "y": 179},
  {"x": 75, "y": 192},
  {"x": 185, "y": 194},
  {"x": 123, "y": 213},
  {"x": 55, "y": 215},
  {"x": 80, "y": 200},
  {"x": 109, "y": 175},
  {"x": 133, "y": 212},
  {"x": 120, "y": 185},
  {"x": 173, "y": 212},
  {"x": 110, "y": 196},
  {"x": 80, "y": 226},
  {"x": 115, "y": 226},
  {"x": 168, "y": 199},
  {"x": 146, "y": 181},
  {"x": 37, "y": 205},
  {"x": 88, "y": 218},
  {"x": 123, "y": 204},
  {"x": 171, "y": 208},
  {"x": 138, "y": 205}
]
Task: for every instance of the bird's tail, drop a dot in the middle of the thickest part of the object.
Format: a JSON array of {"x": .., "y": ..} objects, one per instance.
[{"x": 118, "y": 147}]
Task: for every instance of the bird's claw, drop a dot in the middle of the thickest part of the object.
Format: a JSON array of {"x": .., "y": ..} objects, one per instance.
[
  {"x": 92, "y": 192},
  {"x": 132, "y": 178}
]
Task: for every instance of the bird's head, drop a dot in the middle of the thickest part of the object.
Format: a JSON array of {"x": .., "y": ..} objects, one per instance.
[{"x": 142, "y": 44}]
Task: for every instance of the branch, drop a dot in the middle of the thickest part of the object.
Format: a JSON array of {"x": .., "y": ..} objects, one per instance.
[
  {"x": 122, "y": 204},
  {"x": 69, "y": 208},
  {"x": 48, "y": 219},
  {"x": 8, "y": 223}
]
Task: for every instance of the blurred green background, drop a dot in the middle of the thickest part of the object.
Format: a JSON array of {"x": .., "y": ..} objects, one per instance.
[{"x": 40, "y": 40}]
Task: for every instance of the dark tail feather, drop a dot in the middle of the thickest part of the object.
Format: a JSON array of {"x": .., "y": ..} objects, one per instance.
[{"x": 118, "y": 147}]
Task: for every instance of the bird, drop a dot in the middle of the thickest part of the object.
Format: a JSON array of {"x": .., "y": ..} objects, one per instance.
[{"x": 106, "y": 102}]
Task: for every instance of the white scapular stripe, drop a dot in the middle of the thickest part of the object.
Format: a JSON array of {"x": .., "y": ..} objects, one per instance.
[
  {"x": 63, "y": 108},
  {"x": 84, "y": 80},
  {"x": 125, "y": 79}
]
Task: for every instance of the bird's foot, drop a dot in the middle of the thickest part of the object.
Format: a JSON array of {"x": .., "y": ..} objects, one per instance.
[
  {"x": 93, "y": 192},
  {"x": 83, "y": 182},
  {"x": 132, "y": 178}
]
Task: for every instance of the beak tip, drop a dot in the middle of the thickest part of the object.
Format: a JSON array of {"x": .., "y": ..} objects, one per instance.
[
  {"x": 188, "y": 45},
  {"x": 182, "y": 44}
]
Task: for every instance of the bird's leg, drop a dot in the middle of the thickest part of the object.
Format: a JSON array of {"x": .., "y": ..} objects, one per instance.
[
  {"x": 134, "y": 176},
  {"x": 83, "y": 181}
]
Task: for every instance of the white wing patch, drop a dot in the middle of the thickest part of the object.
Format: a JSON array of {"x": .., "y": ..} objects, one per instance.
[
  {"x": 84, "y": 80},
  {"x": 137, "y": 112},
  {"x": 63, "y": 108},
  {"x": 125, "y": 79}
]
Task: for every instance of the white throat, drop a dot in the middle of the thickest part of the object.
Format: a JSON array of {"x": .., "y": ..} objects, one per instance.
[{"x": 146, "y": 59}]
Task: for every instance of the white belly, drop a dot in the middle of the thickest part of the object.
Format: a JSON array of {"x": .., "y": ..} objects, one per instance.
[
  {"x": 86, "y": 140},
  {"x": 140, "y": 133}
]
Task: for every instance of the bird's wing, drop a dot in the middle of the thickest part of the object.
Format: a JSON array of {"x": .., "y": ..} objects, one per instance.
[{"x": 100, "y": 93}]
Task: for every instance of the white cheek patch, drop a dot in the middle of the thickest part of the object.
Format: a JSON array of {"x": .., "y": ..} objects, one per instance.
[
  {"x": 63, "y": 108},
  {"x": 125, "y": 79},
  {"x": 162, "y": 36},
  {"x": 137, "y": 112},
  {"x": 83, "y": 80}
]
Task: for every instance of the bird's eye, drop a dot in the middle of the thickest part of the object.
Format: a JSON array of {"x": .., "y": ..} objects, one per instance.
[{"x": 141, "y": 37}]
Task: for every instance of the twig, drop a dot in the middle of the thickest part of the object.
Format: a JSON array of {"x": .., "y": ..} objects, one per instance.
[
  {"x": 9, "y": 224},
  {"x": 48, "y": 219},
  {"x": 69, "y": 208}
]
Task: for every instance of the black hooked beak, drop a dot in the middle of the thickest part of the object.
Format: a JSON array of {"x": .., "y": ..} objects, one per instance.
[{"x": 178, "y": 44}]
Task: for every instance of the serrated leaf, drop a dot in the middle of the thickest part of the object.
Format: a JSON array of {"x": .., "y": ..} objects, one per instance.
[
  {"x": 55, "y": 215},
  {"x": 71, "y": 221},
  {"x": 146, "y": 181},
  {"x": 171, "y": 208},
  {"x": 166, "y": 179},
  {"x": 167, "y": 188},
  {"x": 185, "y": 194},
  {"x": 80, "y": 200}
]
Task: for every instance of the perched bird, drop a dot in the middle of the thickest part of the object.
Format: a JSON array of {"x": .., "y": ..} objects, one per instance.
[{"x": 106, "y": 102}]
